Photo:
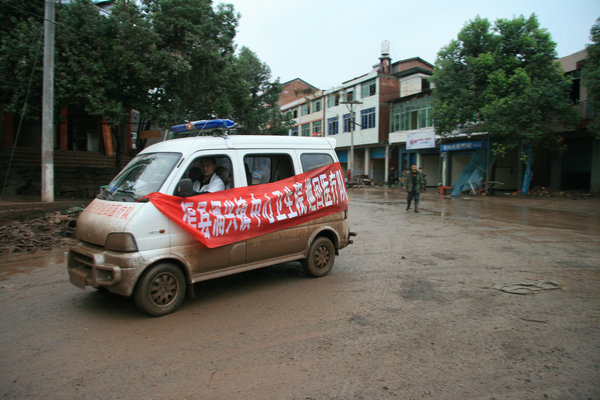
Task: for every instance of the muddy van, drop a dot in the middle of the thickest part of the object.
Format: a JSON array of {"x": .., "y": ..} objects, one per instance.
[{"x": 152, "y": 233}]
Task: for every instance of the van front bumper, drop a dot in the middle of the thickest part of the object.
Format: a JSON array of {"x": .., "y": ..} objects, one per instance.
[{"x": 92, "y": 266}]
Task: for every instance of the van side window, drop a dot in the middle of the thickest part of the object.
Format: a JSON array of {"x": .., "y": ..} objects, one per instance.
[
  {"x": 312, "y": 161},
  {"x": 222, "y": 168},
  {"x": 267, "y": 168}
]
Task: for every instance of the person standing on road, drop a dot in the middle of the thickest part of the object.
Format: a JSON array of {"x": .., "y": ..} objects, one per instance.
[{"x": 414, "y": 184}]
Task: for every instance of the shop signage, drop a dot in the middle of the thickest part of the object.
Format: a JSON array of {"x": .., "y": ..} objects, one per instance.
[
  {"x": 420, "y": 140},
  {"x": 462, "y": 146}
]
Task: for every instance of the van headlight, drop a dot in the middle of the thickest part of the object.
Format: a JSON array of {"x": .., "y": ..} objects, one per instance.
[{"x": 121, "y": 241}]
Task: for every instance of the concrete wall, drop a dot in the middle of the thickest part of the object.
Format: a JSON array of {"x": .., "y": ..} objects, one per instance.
[{"x": 411, "y": 84}]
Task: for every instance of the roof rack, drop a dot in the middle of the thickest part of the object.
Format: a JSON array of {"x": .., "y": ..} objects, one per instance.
[{"x": 205, "y": 127}]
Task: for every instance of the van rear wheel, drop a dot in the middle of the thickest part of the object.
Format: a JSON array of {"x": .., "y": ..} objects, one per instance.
[
  {"x": 161, "y": 290},
  {"x": 321, "y": 256}
]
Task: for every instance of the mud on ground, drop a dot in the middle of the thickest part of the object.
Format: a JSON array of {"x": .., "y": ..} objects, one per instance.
[
  {"x": 416, "y": 308},
  {"x": 38, "y": 231}
]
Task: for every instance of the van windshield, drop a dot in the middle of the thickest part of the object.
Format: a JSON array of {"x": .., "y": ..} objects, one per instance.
[{"x": 145, "y": 174}]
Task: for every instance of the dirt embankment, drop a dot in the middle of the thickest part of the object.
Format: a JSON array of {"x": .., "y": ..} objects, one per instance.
[{"x": 43, "y": 232}]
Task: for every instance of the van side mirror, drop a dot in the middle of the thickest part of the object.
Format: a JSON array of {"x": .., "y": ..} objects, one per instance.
[{"x": 184, "y": 188}]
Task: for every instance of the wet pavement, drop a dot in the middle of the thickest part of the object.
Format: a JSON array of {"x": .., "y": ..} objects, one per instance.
[
  {"x": 411, "y": 310},
  {"x": 562, "y": 213}
]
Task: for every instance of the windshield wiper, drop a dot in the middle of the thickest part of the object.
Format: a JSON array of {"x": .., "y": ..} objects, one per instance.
[
  {"x": 105, "y": 193},
  {"x": 130, "y": 192}
]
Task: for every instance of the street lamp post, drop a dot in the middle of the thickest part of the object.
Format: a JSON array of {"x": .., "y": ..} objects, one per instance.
[{"x": 350, "y": 106}]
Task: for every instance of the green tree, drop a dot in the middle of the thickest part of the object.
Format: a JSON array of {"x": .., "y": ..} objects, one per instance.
[
  {"x": 173, "y": 60},
  {"x": 110, "y": 66},
  {"x": 591, "y": 78},
  {"x": 505, "y": 80},
  {"x": 21, "y": 54},
  {"x": 197, "y": 43},
  {"x": 254, "y": 98}
]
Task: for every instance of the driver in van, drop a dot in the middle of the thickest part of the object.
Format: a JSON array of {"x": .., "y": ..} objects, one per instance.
[{"x": 206, "y": 181}]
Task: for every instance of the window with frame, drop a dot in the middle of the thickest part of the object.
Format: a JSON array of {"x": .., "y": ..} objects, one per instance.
[
  {"x": 267, "y": 168},
  {"x": 349, "y": 96},
  {"x": 367, "y": 118},
  {"x": 306, "y": 130},
  {"x": 312, "y": 161},
  {"x": 317, "y": 105},
  {"x": 425, "y": 85},
  {"x": 410, "y": 115},
  {"x": 305, "y": 109},
  {"x": 317, "y": 127},
  {"x": 223, "y": 169},
  {"x": 294, "y": 131},
  {"x": 332, "y": 125},
  {"x": 348, "y": 122},
  {"x": 333, "y": 100},
  {"x": 368, "y": 88}
]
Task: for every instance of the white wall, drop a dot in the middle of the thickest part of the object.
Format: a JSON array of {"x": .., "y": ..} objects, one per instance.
[
  {"x": 411, "y": 84},
  {"x": 361, "y": 136}
]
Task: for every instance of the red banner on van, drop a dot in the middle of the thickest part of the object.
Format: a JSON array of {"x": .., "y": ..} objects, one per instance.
[{"x": 229, "y": 216}]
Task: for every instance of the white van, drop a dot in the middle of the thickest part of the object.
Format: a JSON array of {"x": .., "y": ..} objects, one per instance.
[{"x": 129, "y": 245}]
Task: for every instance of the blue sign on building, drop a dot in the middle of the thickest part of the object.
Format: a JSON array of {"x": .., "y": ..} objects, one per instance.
[{"x": 462, "y": 146}]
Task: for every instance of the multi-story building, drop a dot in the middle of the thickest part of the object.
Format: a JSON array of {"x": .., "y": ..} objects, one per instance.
[
  {"x": 357, "y": 113},
  {"x": 294, "y": 90},
  {"x": 307, "y": 115},
  {"x": 411, "y": 136},
  {"x": 579, "y": 166},
  {"x": 383, "y": 119}
]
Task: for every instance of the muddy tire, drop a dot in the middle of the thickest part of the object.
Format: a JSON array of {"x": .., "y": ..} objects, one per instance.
[
  {"x": 160, "y": 290},
  {"x": 320, "y": 257}
]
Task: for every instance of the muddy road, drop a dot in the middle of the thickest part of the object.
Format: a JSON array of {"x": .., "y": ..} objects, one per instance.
[{"x": 421, "y": 306}]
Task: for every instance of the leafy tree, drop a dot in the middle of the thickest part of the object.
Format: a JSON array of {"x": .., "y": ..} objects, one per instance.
[
  {"x": 278, "y": 123},
  {"x": 505, "y": 80},
  {"x": 254, "y": 98},
  {"x": 173, "y": 60},
  {"x": 591, "y": 77},
  {"x": 21, "y": 56},
  {"x": 198, "y": 48}
]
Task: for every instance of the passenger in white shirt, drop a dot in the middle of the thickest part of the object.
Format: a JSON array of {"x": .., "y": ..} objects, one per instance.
[{"x": 209, "y": 182}]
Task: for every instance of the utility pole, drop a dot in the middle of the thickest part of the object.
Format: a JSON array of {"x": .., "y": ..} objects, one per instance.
[
  {"x": 48, "y": 106},
  {"x": 350, "y": 106}
]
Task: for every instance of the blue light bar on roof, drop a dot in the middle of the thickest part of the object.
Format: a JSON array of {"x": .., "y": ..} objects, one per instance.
[{"x": 203, "y": 124}]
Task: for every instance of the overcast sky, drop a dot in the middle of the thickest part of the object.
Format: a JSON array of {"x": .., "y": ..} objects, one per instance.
[{"x": 326, "y": 42}]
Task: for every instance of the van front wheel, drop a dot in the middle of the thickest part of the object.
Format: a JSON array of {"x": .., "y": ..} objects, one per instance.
[
  {"x": 320, "y": 257},
  {"x": 161, "y": 290}
]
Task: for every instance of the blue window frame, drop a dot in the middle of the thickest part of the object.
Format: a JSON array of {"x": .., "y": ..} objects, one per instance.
[
  {"x": 367, "y": 118},
  {"x": 348, "y": 122},
  {"x": 332, "y": 125}
]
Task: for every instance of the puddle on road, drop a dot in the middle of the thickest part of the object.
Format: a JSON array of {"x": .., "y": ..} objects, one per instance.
[{"x": 25, "y": 263}]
